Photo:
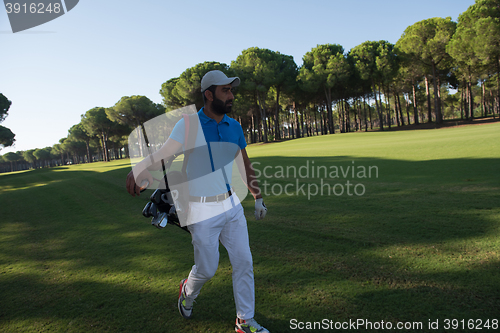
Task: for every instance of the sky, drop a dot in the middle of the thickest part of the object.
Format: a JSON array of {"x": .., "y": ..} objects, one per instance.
[{"x": 103, "y": 50}]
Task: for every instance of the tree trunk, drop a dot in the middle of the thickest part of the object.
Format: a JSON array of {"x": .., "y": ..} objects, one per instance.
[
  {"x": 252, "y": 132},
  {"x": 365, "y": 115},
  {"x": 263, "y": 116},
  {"x": 427, "y": 92},
  {"x": 496, "y": 107},
  {"x": 297, "y": 127},
  {"x": 415, "y": 108},
  {"x": 483, "y": 99},
  {"x": 388, "y": 104},
  {"x": 344, "y": 117},
  {"x": 260, "y": 137},
  {"x": 87, "y": 144},
  {"x": 325, "y": 122},
  {"x": 328, "y": 93},
  {"x": 401, "y": 110},
  {"x": 356, "y": 111},
  {"x": 378, "y": 108},
  {"x": 347, "y": 116},
  {"x": 439, "y": 116},
  {"x": 105, "y": 148},
  {"x": 316, "y": 119},
  {"x": 396, "y": 109},
  {"x": 340, "y": 107},
  {"x": 471, "y": 99},
  {"x": 308, "y": 123},
  {"x": 462, "y": 102},
  {"x": 407, "y": 101},
  {"x": 439, "y": 99},
  {"x": 139, "y": 139},
  {"x": 466, "y": 100},
  {"x": 498, "y": 86},
  {"x": 302, "y": 122},
  {"x": 277, "y": 134},
  {"x": 320, "y": 119},
  {"x": 382, "y": 106},
  {"x": 357, "y": 115},
  {"x": 269, "y": 127},
  {"x": 492, "y": 103},
  {"x": 371, "y": 118}
]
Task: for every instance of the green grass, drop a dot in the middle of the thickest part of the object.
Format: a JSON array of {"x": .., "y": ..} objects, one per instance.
[{"x": 422, "y": 243}]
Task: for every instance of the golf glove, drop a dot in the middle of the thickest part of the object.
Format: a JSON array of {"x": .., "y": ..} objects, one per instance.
[{"x": 260, "y": 209}]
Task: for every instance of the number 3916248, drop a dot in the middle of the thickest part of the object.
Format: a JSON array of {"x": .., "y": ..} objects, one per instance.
[
  {"x": 477, "y": 324},
  {"x": 33, "y": 8}
]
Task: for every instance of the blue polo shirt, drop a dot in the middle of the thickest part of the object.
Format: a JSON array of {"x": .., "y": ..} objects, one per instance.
[{"x": 210, "y": 165}]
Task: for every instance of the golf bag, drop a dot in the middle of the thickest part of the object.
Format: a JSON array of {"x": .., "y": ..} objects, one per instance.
[{"x": 169, "y": 202}]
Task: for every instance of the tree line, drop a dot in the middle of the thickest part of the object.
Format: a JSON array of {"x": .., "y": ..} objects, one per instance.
[
  {"x": 7, "y": 138},
  {"x": 438, "y": 70}
]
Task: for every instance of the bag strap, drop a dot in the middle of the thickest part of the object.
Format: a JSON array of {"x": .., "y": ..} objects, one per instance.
[{"x": 190, "y": 133}]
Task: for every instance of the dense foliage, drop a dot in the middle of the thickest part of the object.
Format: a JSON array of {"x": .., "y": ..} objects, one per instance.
[{"x": 6, "y": 135}]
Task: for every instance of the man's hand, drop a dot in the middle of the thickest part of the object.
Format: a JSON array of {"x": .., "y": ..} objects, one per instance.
[
  {"x": 151, "y": 162},
  {"x": 260, "y": 209},
  {"x": 133, "y": 186}
]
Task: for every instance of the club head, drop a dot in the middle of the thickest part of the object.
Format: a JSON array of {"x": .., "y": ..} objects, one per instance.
[
  {"x": 160, "y": 221},
  {"x": 153, "y": 210},
  {"x": 156, "y": 196},
  {"x": 146, "y": 210},
  {"x": 167, "y": 198}
]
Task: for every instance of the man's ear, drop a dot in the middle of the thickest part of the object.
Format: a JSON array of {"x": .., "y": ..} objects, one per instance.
[{"x": 209, "y": 96}]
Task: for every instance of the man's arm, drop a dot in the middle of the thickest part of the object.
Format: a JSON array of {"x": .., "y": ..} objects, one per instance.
[
  {"x": 251, "y": 179},
  {"x": 140, "y": 172},
  {"x": 245, "y": 166}
]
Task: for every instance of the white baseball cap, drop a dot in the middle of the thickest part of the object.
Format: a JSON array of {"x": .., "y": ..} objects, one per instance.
[{"x": 217, "y": 78}]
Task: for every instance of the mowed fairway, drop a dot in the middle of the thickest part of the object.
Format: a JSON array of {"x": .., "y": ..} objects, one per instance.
[{"x": 420, "y": 243}]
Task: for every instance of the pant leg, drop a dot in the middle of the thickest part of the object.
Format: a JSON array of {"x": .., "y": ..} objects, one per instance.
[
  {"x": 205, "y": 240},
  {"x": 234, "y": 237}
]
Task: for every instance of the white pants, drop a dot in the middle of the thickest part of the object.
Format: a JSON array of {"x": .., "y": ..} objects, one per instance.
[{"x": 226, "y": 224}]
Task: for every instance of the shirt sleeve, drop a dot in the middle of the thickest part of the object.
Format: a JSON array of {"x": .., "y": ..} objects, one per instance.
[
  {"x": 241, "y": 140},
  {"x": 178, "y": 133}
]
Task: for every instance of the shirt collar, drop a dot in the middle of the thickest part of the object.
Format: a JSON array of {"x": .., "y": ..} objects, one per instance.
[{"x": 204, "y": 119}]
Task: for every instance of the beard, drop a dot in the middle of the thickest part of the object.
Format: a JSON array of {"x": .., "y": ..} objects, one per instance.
[{"x": 219, "y": 107}]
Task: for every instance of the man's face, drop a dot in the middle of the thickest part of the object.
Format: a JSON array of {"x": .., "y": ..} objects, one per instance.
[{"x": 223, "y": 99}]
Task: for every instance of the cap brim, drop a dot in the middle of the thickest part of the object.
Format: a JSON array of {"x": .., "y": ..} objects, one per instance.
[{"x": 233, "y": 81}]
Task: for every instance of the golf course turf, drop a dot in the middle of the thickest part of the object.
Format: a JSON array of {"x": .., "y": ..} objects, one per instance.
[{"x": 413, "y": 239}]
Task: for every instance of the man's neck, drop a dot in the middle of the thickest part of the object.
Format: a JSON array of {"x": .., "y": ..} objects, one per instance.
[{"x": 207, "y": 110}]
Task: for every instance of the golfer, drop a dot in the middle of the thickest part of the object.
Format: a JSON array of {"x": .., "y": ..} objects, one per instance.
[{"x": 225, "y": 220}]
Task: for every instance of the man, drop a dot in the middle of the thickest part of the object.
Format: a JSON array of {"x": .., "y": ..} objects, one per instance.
[{"x": 229, "y": 226}]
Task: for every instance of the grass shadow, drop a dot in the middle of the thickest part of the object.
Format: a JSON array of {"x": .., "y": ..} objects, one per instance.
[{"x": 420, "y": 243}]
